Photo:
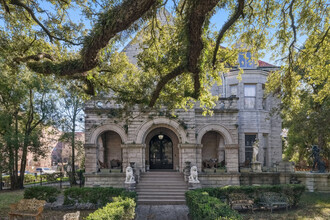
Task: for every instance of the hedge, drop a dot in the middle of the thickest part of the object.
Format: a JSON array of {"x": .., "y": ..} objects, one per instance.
[
  {"x": 119, "y": 209},
  {"x": 47, "y": 193},
  {"x": 31, "y": 178},
  {"x": 203, "y": 206},
  {"x": 99, "y": 196},
  {"x": 292, "y": 191}
]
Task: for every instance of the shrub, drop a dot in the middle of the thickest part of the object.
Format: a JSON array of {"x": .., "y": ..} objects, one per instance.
[
  {"x": 47, "y": 193},
  {"x": 292, "y": 191},
  {"x": 99, "y": 195},
  {"x": 119, "y": 209},
  {"x": 203, "y": 206}
]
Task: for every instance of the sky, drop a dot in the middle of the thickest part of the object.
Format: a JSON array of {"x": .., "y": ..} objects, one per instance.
[{"x": 217, "y": 21}]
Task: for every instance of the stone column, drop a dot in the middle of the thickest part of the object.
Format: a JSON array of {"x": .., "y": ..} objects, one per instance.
[
  {"x": 90, "y": 158},
  {"x": 231, "y": 154},
  {"x": 192, "y": 153},
  {"x": 134, "y": 153}
]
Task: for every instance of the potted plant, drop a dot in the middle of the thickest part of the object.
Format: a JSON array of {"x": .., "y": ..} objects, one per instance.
[
  {"x": 209, "y": 170},
  {"x": 104, "y": 170},
  {"x": 221, "y": 168}
]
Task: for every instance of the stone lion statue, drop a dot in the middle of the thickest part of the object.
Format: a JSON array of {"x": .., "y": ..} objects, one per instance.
[
  {"x": 129, "y": 175},
  {"x": 193, "y": 178}
]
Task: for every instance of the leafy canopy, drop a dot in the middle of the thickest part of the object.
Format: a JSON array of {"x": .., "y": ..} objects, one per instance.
[{"x": 179, "y": 61}]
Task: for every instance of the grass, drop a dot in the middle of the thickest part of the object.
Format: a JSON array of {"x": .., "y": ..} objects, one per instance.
[
  {"x": 7, "y": 198},
  {"x": 311, "y": 206}
]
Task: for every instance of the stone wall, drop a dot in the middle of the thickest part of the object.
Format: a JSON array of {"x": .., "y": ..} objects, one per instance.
[
  {"x": 259, "y": 178},
  {"x": 219, "y": 180},
  {"x": 116, "y": 180},
  {"x": 315, "y": 182}
]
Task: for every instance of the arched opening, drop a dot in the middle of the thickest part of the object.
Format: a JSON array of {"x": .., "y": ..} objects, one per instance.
[
  {"x": 109, "y": 150},
  {"x": 213, "y": 151},
  {"x": 162, "y": 150}
]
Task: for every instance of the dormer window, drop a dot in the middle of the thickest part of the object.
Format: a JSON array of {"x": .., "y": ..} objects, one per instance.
[{"x": 245, "y": 61}]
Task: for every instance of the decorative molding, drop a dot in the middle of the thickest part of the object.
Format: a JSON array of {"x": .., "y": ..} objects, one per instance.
[
  {"x": 162, "y": 122},
  {"x": 222, "y": 130},
  {"x": 231, "y": 146},
  {"x": 133, "y": 146},
  {"x": 184, "y": 146},
  {"x": 90, "y": 146},
  {"x": 109, "y": 127}
]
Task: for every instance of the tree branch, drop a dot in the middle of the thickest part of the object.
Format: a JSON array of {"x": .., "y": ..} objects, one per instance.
[
  {"x": 164, "y": 80},
  {"x": 226, "y": 26},
  {"x": 323, "y": 38},
  {"x": 36, "y": 57},
  {"x": 197, "y": 14},
  {"x": 109, "y": 24},
  {"x": 30, "y": 11}
]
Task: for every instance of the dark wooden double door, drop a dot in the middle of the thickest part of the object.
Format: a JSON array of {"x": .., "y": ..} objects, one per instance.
[{"x": 161, "y": 153}]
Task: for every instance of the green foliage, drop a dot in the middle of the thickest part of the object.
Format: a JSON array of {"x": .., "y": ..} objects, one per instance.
[
  {"x": 47, "y": 193},
  {"x": 99, "y": 195},
  {"x": 203, "y": 206},
  {"x": 292, "y": 191},
  {"x": 119, "y": 209}
]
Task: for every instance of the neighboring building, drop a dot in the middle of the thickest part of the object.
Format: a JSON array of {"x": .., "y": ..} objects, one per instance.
[
  {"x": 48, "y": 142},
  {"x": 61, "y": 154},
  {"x": 56, "y": 153},
  {"x": 155, "y": 138}
]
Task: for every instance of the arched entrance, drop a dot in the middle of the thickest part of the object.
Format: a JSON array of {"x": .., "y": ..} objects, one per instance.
[
  {"x": 161, "y": 152},
  {"x": 213, "y": 150},
  {"x": 165, "y": 151},
  {"x": 109, "y": 150}
]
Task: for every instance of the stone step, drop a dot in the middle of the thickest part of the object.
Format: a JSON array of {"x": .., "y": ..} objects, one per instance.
[
  {"x": 161, "y": 174},
  {"x": 157, "y": 190},
  {"x": 162, "y": 187},
  {"x": 161, "y": 197},
  {"x": 162, "y": 202},
  {"x": 161, "y": 177},
  {"x": 162, "y": 192},
  {"x": 162, "y": 182}
]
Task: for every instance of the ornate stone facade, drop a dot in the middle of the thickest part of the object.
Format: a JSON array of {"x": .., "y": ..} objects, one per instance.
[
  {"x": 192, "y": 136},
  {"x": 157, "y": 140}
]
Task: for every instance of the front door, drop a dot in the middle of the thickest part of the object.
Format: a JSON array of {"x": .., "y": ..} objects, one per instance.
[{"x": 161, "y": 152}]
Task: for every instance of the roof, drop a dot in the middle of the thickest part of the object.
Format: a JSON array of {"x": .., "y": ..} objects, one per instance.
[{"x": 264, "y": 64}]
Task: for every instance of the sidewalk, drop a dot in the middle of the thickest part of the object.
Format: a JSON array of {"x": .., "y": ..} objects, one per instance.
[{"x": 162, "y": 212}]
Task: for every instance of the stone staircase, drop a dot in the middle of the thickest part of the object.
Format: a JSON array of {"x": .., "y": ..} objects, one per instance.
[{"x": 161, "y": 188}]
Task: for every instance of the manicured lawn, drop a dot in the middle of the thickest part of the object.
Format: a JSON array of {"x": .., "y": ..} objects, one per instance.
[
  {"x": 8, "y": 197},
  {"x": 311, "y": 206}
]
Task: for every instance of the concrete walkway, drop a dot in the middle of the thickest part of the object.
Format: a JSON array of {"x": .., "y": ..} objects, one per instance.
[{"x": 162, "y": 212}]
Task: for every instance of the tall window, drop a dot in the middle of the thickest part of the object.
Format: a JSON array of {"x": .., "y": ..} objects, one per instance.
[
  {"x": 233, "y": 90},
  {"x": 250, "y": 96},
  {"x": 249, "y": 140},
  {"x": 264, "y": 98},
  {"x": 265, "y": 149}
]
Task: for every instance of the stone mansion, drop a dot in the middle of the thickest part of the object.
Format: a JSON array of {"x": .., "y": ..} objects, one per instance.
[{"x": 154, "y": 140}]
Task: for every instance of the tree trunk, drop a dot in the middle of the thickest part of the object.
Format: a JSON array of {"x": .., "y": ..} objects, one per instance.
[
  {"x": 23, "y": 161},
  {"x": 75, "y": 108}
]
